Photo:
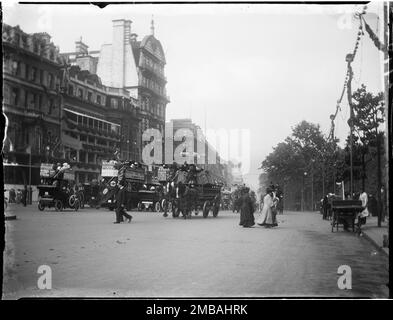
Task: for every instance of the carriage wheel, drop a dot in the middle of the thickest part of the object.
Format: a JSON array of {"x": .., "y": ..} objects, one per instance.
[
  {"x": 72, "y": 200},
  {"x": 170, "y": 206},
  {"x": 215, "y": 211},
  {"x": 82, "y": 202},
  {"x": 175, "y": 212},
  {"x": 157, "y": 207},
  {"x": 76, "y": 205},
  {"x": 58, "y": 205},
  {"x": 41, "y": 206},
  {"x": 164, "y": 203},
  {"x": 205, "y": 209},
  {"x": 139, "y": 206}
]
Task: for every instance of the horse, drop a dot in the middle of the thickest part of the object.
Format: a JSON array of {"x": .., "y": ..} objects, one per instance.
[
  {"x": 190, "y": 201},
  {"x": 169, "y": 198}
]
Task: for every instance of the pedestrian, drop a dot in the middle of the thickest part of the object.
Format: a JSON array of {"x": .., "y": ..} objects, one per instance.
[
  {"x": 362, "y": 216},
  {"x": 246, "y": 209},
  {"x": 325, "y": 203},
  {"x": 384, "y": 203},
  {"x": 121, "y": 200},
  {"x": 269, "y": 211}
]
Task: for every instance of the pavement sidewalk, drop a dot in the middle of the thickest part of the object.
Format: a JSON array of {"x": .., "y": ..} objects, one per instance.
[{"x": 375, "y": 234}]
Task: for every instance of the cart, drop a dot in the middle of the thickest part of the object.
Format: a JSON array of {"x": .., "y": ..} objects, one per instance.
[
  {"x": 149, "y": 197},
  {"x": 345, "y": 210}
]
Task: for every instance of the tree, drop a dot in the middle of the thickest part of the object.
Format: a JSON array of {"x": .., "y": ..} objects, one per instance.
[
  {"x": 306, "y": 150},
  {"x": 368, "y": 117}
]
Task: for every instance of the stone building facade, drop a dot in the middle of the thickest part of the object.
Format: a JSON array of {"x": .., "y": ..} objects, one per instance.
[
  {"x": 31, "y": 102},
  {"x": 57, "y": 111}
]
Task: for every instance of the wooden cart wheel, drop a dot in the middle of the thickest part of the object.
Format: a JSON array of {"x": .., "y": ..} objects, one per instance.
[
  {"x": 205, "y": 209},
  {"x": 157, "y": 207},
  {"x": 215, "y": 211},
  {"x": 164, "y": 204},
  {"x": 76, "y": 205},
  {"x": 58, "y": 205},
  {"x": 41, "y": 206}
]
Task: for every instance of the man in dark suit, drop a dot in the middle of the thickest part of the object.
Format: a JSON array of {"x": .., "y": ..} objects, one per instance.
[{"x": 121, "y": 200}]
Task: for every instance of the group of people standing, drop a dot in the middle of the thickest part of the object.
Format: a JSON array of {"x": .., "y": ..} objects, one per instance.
[{"x": 267, "y": 218}]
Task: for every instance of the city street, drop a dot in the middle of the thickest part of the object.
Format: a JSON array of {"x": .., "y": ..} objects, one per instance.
[{"x": 155, "y": 256}]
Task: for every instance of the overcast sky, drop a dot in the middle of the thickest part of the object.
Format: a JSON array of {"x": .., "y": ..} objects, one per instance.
[{"x": 259, "y": 67}]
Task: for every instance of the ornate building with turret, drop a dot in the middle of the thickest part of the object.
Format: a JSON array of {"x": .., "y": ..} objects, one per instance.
[{"x": 138, "y": 67}]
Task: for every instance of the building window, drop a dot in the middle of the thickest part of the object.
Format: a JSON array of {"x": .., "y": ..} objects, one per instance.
[
  {"x": 114, "y": 103},
  {"x": 90, "y": 122},
  {"x": 33, "y": 74},
  {"x": 41, "y": 77},
  {"x": 52, "y": 56},
  {"x": 30, "y": 100},
  {"x": 80, "y": 93},
  {"x": 70, "y": 90},
  {"x": 15, "y": 96},
  {"x": 98, "y": 99},
  {"x": 26, "y": 75},
  {"x": 89, "y": 96},
  {"x": 39, "y": 101},
  {"x": 51, "y": 81},
  {"x": 50, "y": 106},
  {"x": 16, "y": 68}
]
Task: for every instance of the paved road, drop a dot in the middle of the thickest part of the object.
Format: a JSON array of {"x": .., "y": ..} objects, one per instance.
[{"x": 213, "y": 257}]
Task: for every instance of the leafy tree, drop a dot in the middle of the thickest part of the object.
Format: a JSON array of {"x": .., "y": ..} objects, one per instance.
[{"x": 369, "y": 114}]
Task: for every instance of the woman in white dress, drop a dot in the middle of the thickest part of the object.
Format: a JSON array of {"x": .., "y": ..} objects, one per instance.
[
  {"x": 268, "y": 216},
  {"x": 364, "y": 214}
]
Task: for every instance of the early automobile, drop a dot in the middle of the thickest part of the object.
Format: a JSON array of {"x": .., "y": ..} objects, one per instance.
[{"x": 56, "y": 188}]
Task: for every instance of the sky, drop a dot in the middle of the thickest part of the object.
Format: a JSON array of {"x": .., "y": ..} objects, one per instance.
[{"x": 262, "y": 68}]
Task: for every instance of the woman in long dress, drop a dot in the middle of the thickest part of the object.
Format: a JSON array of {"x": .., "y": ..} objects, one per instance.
[
  {"x": 268, "y": 215},
  {"x": 246, "y": 209}
]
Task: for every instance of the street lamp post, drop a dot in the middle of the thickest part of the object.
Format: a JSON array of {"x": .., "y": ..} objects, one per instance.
[
  {"x": 312, "y": 185},
  {"x": 302, "y": 202}
]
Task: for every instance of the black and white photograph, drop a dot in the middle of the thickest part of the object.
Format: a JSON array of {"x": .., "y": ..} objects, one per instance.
[{"x": 196, "y": 150}]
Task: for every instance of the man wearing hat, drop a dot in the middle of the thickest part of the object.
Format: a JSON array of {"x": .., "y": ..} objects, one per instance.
[{"x": 121, "y": 200}]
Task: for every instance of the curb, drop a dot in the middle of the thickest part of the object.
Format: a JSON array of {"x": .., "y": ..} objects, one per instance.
[{"x": 375, "y": 244}]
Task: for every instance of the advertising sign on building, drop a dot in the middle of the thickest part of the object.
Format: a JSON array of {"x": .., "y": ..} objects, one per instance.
[
  {"x": 134, "y": 174},
  {"x": 162, "y": 174},
  {"x": 46, "y": 170},
  {"x": 108, "y": 169},
  {"x": 69, "y": 175}
]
